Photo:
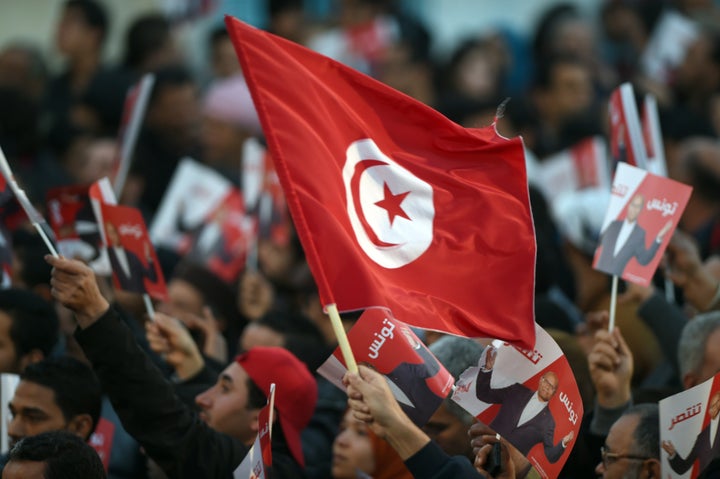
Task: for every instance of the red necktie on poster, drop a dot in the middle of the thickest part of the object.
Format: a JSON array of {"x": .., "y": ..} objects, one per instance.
[{"x": 394, "y": 204}]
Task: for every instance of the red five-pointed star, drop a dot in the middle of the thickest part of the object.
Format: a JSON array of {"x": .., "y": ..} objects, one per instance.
[{"x": 391, "y": 203}]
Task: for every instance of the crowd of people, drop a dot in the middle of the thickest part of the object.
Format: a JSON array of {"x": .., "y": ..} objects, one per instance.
[{"x": 182, "y": 392}]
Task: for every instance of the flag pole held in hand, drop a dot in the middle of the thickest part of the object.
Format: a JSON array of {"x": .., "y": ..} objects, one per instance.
[{"x": 339, "y": 331}]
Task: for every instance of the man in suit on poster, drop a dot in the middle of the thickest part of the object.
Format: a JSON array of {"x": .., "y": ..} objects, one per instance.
[
  {"x": 408, "y": 381},
  {"x": 524, "y": 418},
  {"x": 129, "y": 271},
  {"x": 707, "y": 443},
  {"x": 623, "y": 240}
]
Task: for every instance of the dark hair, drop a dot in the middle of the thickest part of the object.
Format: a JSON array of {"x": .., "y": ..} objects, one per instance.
[
  {"x": 301, "y": 336},
  {"x": 647, "y": 433},
  {"x": 168, "y": 77},
  {"x": 34, "y": 321},
  {"x": 256, "y": 397},
  {"x": 65, "y": 455},
  {"x": 146, "y": 35},
  {"x": 30, "y": 250},
  {"x": 77, "y": 389},
  {"x": 93, "y": 13}
]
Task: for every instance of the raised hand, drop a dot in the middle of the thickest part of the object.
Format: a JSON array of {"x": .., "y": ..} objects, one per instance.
[
  {"x": 611, "y": 368},
  {"x": 168, "y": 337}
]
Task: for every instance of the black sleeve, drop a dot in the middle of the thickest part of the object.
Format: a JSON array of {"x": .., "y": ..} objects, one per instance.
[
  {"x": 431, "y": 462},
  {"x": 149, "y": 409}
]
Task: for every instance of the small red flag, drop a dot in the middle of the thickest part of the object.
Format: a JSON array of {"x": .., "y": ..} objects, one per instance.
[{"x": 395, "y": 205}]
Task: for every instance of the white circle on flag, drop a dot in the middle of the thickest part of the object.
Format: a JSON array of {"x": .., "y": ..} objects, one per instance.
[{"x": 390, "y": 209}]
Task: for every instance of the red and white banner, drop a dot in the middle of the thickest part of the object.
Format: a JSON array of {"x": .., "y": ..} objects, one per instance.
[
  {"x": 582, "y": 166},
  {"x": 529, "y": 397},
  {"x": 395, "y": 205},
  {"x": 689, "y": 432},
  {"x": 643, "y": 212},
  {"x": 626, "y": 137},
  {"x": 652, "y": 136},
  {"x": 417, "y": 379},
  {"x": 258, "y": 461}
]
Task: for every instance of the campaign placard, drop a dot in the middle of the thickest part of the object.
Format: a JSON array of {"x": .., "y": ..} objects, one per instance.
[
  {"x": 135, "y": 266},
  {"x": 582, "y": 166},
  {"x": 417, "y": 379},
  {"x": 689, "y": 433},
  {"x": 529, "y": 397},
  {"x": 71, "y": 217},
  {"x": 202, "y": 216},
  {"x": 643, "y": 212}
]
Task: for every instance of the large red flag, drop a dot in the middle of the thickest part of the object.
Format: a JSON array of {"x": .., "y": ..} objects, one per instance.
[{"x": 394, "y": 204}]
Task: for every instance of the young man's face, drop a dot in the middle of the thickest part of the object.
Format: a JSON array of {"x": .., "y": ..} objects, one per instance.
[
  {"x": 224, "y": 406},
  {"x": 34, "y": 411}
]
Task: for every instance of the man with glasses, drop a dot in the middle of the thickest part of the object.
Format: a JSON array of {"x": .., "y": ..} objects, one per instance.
[
  {"x": 632, "y": 447},
  {"x": 524, "y": 418}
]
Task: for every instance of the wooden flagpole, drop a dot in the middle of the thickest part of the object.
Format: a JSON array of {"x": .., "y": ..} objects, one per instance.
[{"x": 343, "y": 342}]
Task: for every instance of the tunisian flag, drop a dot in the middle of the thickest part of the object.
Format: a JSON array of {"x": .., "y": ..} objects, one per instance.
[{"x": 395, "y": 205}]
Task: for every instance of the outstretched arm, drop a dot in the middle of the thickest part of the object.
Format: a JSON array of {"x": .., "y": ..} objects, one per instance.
[
  {"x": 371, "y": 401},
  {"x": 148, "y": 408}
]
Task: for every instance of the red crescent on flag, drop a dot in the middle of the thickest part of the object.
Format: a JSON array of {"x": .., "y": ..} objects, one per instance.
[{"x": 360, "y": 168}]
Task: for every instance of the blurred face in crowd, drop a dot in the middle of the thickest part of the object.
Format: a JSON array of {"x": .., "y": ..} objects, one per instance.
[
  {"x": 175, "y": 112},
  {"x": 352, "y": 449},
  {"x": 183, "y": 298},
  {"x": 711, "y": 362},
  {"x": 224, "y": 61},
  {"x": 73, "y": 35},
  {"x": 8, "y": 355},
  {"x": 225, "y": 405},
  {"x": 449, "y": 432},
  {"x": 570, "y": 92},
  {"x": 260, "y": 335},
  {"x": 34, "y": 411},
  {"x": 222, "y": 142}
]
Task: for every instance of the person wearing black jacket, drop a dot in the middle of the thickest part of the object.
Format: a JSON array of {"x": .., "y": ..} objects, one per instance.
[{"x": 182, "y": 443}]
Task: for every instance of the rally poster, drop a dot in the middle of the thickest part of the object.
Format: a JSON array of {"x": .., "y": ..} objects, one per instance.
[
  {"x": 135, "y": 266},
  {"x": 529, "y": 397},
  {"x": 689, "y": 433},
  {"x": 417, "y": 379},
  {"x": 71, "y": 217},
  {"x": 202, "y": 216},
  {"x": 643, "y": 212}
]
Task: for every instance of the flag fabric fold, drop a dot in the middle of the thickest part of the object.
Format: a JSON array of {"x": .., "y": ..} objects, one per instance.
[{"x": 395, "y": 205}]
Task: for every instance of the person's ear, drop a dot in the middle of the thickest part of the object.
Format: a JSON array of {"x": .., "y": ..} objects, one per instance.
[
  {"x": 81, "y": 425},
  {"x": 650, "y": 469},
  {"x": 254, "y": 419}
]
